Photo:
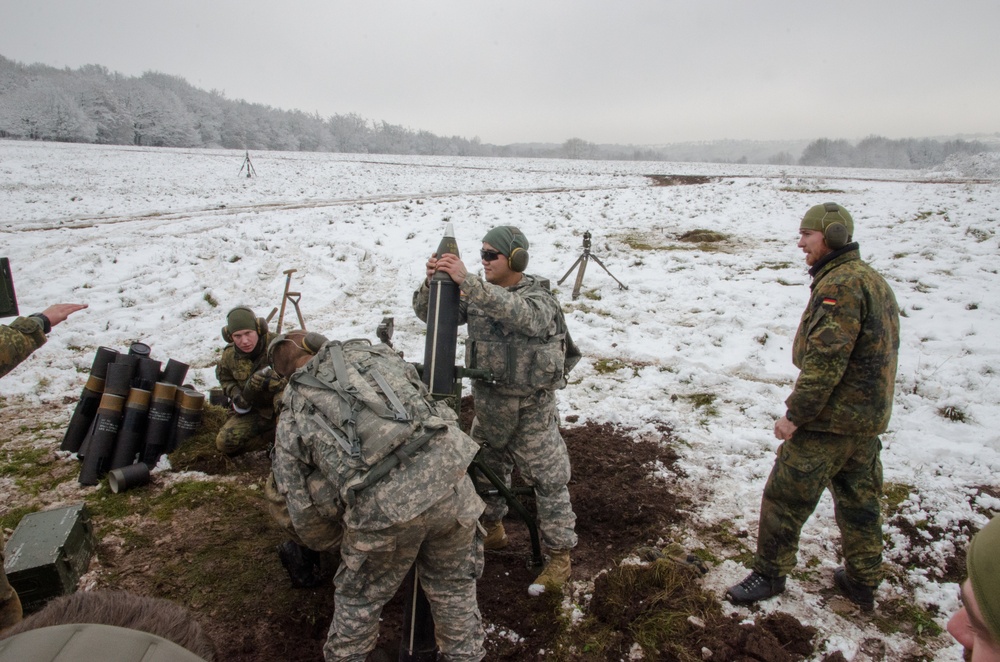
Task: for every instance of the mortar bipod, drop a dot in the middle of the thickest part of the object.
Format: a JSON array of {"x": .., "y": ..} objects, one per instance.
[{"x": 537, "y": 560}]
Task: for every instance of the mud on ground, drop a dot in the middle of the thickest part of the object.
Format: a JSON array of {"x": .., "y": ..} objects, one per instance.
[{"x": 199, "y": 534}]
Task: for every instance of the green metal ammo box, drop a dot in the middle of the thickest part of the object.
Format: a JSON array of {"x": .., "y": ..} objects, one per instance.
[{"x": 48, "y": 553}]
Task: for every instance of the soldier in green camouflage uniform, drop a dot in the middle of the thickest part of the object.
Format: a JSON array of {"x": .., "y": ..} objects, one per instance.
[
  {"x": 424, "y": 512},
  {"x": 516, "y": 330},
  {"x": 243, "y": 375},
  {"x": 17, "y": 341},
  {"x": 845, "y": 348}
]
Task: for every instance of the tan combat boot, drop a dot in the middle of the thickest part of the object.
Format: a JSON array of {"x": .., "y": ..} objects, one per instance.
[
  {"x": 496, "y": 537},
  {"x": 10, "y": 611},
  {"x": 555, "y": 574}
]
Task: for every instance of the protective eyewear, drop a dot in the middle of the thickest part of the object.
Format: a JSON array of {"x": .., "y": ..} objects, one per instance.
[{"x": 489, "y": 256}]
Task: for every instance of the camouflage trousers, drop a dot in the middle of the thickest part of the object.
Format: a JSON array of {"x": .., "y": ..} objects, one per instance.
[
  {"x": 806, "y": 465},
  {"x": 530, "y": 427},
  {"x": 447, "y": 549},
  {"x": 242, "y": 433}
]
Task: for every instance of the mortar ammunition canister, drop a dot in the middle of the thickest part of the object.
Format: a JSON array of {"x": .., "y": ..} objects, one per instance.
[
  {"x": 174, "y": 373},
  {"x": 161, "y": 415},
  {"x": 139, "y": 349},
  {"x": 90, "y": 398},
  {"x": 97, "y": 456},
  {"x": 133, "y": 428},
  {"x": 147, "y": 373},
  {"x": 188, "y": 407},
  {"x": 125, "y": 478}
]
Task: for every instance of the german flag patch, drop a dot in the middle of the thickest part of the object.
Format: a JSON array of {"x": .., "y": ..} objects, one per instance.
[{"x": 829, "y": 301}]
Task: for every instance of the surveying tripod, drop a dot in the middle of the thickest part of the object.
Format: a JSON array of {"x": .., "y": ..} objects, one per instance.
[{"x": 582, "y": 262}]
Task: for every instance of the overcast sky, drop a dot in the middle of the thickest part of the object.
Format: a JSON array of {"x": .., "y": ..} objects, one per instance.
[{"x": 607, "y": 71}]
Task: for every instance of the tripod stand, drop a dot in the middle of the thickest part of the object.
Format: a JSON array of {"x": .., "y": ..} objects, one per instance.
[
  {"x": 582, "y": 262},
  {"x": 251, "y": 172}
]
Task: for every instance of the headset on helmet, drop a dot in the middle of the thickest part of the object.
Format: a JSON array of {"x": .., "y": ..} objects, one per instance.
[
  {"x": 260, "y": 324},
  {"x": 833, "y": 221}
]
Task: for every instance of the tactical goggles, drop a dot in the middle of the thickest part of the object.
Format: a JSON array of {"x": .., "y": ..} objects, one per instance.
[{"x": 489, "y": 256}]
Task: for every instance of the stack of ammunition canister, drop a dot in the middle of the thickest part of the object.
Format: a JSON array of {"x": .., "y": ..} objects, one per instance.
[{"x": 130, "y": 411}]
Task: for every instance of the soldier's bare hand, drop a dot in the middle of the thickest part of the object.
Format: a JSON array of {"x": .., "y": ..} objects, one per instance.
[
  {"x": 431, "y": 267},
  {"x": 784, "y": 429},
  {"x": 58, "y": 312},
  {"x": 453, "y": 266}
]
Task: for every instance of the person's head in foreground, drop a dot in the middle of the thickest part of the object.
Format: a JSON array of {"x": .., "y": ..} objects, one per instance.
[{"x": 977, "y": 624}]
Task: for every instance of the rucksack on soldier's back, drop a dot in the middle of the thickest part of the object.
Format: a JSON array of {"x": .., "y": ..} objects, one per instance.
[{"x": 375, "y": 407}]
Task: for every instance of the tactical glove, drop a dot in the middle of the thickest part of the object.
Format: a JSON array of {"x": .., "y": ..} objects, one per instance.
[
  {"x": 240, "y": 404},
  {"x": 257, "y": 383}
]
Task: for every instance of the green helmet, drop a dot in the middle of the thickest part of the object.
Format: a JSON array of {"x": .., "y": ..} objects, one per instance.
[{"x": 833, "y": 221}]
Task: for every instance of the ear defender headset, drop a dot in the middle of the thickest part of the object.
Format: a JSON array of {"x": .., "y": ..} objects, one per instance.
[
  {"x": 518, "y": 258},
  {"x": 836, "y": 234},
  {"x": 833, "y": 221},
  {"x": 260, "y": 325}
]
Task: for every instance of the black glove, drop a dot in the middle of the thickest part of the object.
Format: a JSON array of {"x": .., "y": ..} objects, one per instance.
[{"x": 240, "y": 404}]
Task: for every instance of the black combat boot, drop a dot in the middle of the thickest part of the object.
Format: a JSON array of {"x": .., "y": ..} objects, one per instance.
[
  {"x": 301, "y": 563},
  {"x": 755, "y": 587},
  {"x": 860, "y": 594}
]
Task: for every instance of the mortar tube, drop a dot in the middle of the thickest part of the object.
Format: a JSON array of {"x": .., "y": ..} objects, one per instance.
[
  {"x": 441, "y": 343},
  {"x": 133, "y": 428},
  {"x": 161, "y": 413},
  {"x": 90, "y": 398}
]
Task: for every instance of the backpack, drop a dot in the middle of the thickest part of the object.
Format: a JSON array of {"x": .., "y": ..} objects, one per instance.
[{"x": 398, "y": 446}]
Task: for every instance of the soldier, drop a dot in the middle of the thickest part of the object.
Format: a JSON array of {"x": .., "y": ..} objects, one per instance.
[
  {"x": 977, "y": 624},
  {"x": 414, "y": 505},
  {"x": 517, "y": 330},
  {"x": 17, "y": 341},
  {"x": 845, "y": 350},
  {"x": 245, "y": 378}
]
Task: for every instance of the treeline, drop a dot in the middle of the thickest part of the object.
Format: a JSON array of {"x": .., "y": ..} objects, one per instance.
[
  {"x": 879, "y": 152},
  {"x": 94, "y": 105}
]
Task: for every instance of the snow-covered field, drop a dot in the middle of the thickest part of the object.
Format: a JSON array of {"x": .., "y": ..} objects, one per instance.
[{"x": 161, "y": 243}]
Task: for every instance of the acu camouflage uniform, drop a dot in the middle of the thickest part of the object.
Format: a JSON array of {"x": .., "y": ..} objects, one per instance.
[
  {"x": 424, "y": 511},
  {"x": 519, "y": 333},
  {"x": 17, "y": 341},
  {"x": 253, "y": 430},
  {"x": 845, "y": 349}
]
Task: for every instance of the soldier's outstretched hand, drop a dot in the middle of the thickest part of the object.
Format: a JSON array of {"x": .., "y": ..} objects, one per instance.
[{"x": 58, "y": 312}]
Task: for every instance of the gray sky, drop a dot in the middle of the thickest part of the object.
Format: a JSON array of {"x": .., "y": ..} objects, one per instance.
[{"x": 616, "y": 71}]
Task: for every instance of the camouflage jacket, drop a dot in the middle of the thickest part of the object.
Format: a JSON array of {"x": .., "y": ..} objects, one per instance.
[
  {"x": 845, "y": 349},
  {"x": 518, "y": 333},
  {"x": 18, "y": 340},
  {"x": 316, "y": 471},
  {"x": 235, "y": 368}
]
